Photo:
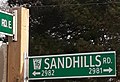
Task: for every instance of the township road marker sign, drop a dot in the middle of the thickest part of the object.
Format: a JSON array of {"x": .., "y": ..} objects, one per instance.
[
  {"x": 79, "y": 65},
  {"x": 6, "y": 23}
]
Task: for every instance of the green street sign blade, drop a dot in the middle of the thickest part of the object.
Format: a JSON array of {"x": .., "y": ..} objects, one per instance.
[
  {"x": 6, "y": 23},
  {"x": 79, "y": 65}
]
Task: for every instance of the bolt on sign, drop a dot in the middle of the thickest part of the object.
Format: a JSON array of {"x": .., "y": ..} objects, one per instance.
[
  {"x": 79, "y": 65},
  {"x": 6, "y": 23}
]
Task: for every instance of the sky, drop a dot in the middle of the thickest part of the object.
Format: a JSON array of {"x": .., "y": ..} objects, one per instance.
[{"x": 2, "y": 2}]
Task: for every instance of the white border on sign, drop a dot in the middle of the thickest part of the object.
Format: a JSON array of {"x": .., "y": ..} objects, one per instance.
[
  {"x": 6, "y": 34},
  {"x": 66, "y": 77},
  {"x": 6, "y": 13},
  {"x": 90, "y": 53},
  {"x": 71, "y": 77}
]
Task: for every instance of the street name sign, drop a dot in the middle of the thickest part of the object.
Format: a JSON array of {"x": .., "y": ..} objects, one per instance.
[
  {"x": 79, "y": 65},
  {"x": 6, "y": 23}
]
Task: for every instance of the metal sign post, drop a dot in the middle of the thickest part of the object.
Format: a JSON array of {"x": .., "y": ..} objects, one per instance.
[{"x": 25, "y": 67}]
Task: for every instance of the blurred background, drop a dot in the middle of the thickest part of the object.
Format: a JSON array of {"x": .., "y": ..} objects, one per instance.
[{"x": 72, "y": 26}]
